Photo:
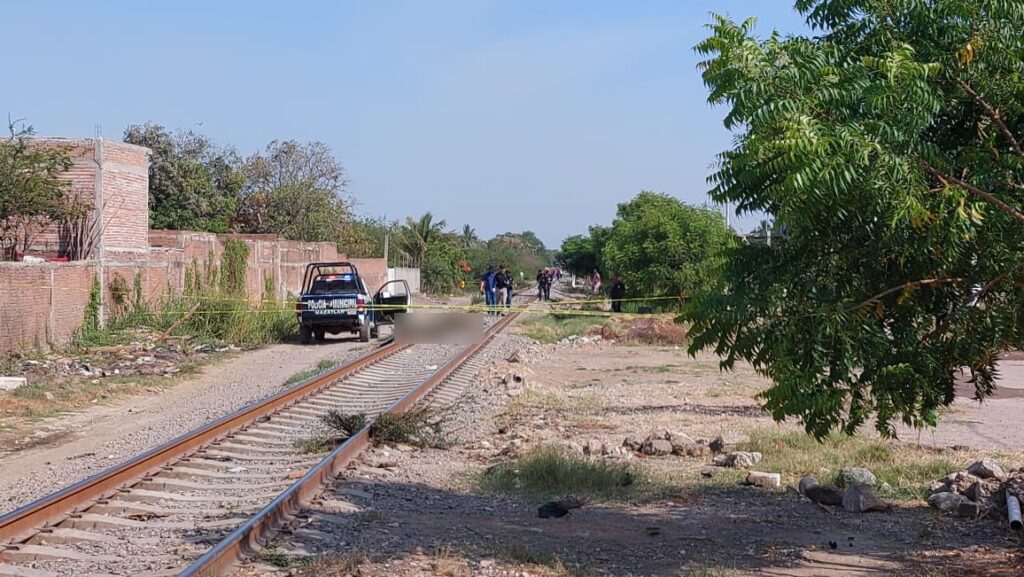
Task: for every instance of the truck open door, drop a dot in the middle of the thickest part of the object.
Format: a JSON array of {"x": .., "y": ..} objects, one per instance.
[{"x": 393, "y": 298}]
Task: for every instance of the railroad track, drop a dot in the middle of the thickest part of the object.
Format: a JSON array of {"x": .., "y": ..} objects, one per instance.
[{"x": 200, "y": 503}]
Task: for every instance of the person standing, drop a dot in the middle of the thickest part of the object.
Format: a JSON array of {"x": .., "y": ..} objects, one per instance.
[
  {"x": 504, "y": 283},
  {"x": 618, "y": 292},
  {"x": 488, "y": 287},
  {"x": 549, "y": 278},
  {"x": 595, "y": 281},
  {"x": 541, "y": 279}
]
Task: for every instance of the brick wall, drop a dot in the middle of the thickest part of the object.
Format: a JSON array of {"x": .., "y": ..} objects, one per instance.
[{"x": 42, "y": 305}]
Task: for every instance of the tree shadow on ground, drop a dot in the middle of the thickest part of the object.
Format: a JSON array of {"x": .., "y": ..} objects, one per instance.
[{"x": 732, "y": 529}]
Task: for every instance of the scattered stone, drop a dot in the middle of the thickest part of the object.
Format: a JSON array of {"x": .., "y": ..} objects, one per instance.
[
  {"x": 861, "y": 499},
  {"x": 592, "y": 448},
  {"x": 558, "y": 509},
  {"x": 708, "y": 472},
  {"x": 853, "y": 476},
  {"x": 717, "y": 445},
  {"x": 657, "y": 447},
  {"x": 765, "y": 480},
  {"x": 982, "y": 491},
  {"x": 885, "y": 488},
  {"x": 48, "y": 396},
  {"x": 807, "y": 482},
  {"x": 825, "y": 495},
  {"x": 968, "y": 509},
  {"x": 738, "y": 459},
  {"x": 485, "y": 563},
  {"x": 987, "y": 469},
  {"x": 11, "y": 383},
  {"x": 514, "y": 357},
  {"x": 690, "y": 449},
  {"x": 337, "y": 507},
  {"x": 960, "y": 482},
  {"x": 633, "y": 443},
  {"x": 947, "y": 501}
]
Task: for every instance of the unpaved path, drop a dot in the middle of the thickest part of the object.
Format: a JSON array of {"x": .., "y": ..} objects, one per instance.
[{"x": 83, "y": 443}]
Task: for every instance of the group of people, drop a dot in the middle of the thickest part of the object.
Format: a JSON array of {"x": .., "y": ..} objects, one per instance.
[
  {"x": 545, "y": 278},
  {"x": 497, "y": 286}
]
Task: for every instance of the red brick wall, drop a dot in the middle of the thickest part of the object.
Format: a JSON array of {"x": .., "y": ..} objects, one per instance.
[{"x": 42, "y": 303}]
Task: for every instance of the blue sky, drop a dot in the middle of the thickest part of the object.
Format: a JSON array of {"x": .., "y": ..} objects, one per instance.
[{"x": 508, "y": 115}]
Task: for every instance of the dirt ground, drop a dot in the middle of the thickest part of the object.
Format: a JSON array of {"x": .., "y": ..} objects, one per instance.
[
  {"x": 38, "y": 457},
  {"x": 422, "y": 513}
]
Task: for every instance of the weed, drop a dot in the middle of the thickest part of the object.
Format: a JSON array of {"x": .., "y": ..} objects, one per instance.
[
  {"x": 338, "y": 564},
  {"x": 421, "y": 426},
  {"x": 549, "y": 471},
  {"x": 343, "y": 423},
  {"x": 522, "y": 554},
  {"x": 322, "y": 367},
  {"x": 551, "y": 329},
  {"x": 274, "y": 556},
  {"x": 794, "y": 453},
  {"x": 449, "y": 563},
  {"x": 316, "y": 444}
]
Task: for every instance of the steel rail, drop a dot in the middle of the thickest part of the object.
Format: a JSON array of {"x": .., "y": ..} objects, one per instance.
[
  {"x": 248, "y": 538},
  {"x": 22, "y": 523}
]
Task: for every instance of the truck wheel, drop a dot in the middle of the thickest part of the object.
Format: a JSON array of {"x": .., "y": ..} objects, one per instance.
[
  {"x": 364, "y": 333},
  {"x": 375, "y": 333},
  {"x": 320, "y": 334},
  {"x": 305, "y": 334}
]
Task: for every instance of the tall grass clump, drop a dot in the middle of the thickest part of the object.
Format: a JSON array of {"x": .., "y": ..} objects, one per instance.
[
  {"x": 214, "y": 306},
  {"x": 550, "y": 471}
]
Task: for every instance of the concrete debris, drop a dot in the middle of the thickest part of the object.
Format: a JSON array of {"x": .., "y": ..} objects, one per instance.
[
  {"x": 861, "y": 499},
  {"x": 987, "y": 469},
  {"x": 11, "y": 383},
  {"x": 738, "y": 459},
  {"x": 947, "y": 501},
  {"x": 853, "y": 476},
  {"x": 807, "y": 482},
  {"x": 764, "y": 480},
  {"x": 825, "y": 495}
]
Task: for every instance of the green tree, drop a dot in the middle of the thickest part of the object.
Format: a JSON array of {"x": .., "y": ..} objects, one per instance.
[
  {"x": 469, "y": 237},
  {"x": 660, "y": 246},
  {"x": 890, "y": 146},
  {"x": 193, "y": 184},
  {"x": 295, "y": 190},
  {"x": 440, "y": 267},
  {"x": 32, "y": 193},
  {"x": 578, "y": 255},
  {"x": 416, "y": 235}
]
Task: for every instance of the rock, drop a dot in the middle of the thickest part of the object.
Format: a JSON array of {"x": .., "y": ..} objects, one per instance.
[
  {"x": 717, "y": 445},
  {"x": 691, "y": 450},
  {"x": 633, "y": 443},
  {"x": 861, "y": 499},
  {"x": 982, "y": 490},
  {"x": 657, "y": 447},
  {"x": 11, "y": 383},
  {"x": 765, "y": 480},
  {"x": 514, "y": 357},
  {"x": 557, "y": 509},
  {"x": 825, "y": 495},
  {"x": 807, "y": 482},
  {"x": 338, "y": 507},
  {"x": 968, "y": 509},
  {"x": 48, "y": 396},
  {"x": 708, "y": 472},
  {"x": 592, "y": 447},
  {"x": 485, "y": 563},
  {"x": 987, "y": 469},
  {"x": 947, "y": 501},
  {"x": 852, "y": 476},
  {"x": 738, "y": 459},
  {"x": 960, "y": 482},
  {"x": 660, "y": 435}
]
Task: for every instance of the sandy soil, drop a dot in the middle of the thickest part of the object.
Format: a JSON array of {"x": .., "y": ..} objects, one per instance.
[
  {"x": 72, "y": 447},
  {"x": 422, "y": 515}
]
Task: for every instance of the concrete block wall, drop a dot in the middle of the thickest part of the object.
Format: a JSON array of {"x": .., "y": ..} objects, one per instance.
[{"x": 42, "y": 303}]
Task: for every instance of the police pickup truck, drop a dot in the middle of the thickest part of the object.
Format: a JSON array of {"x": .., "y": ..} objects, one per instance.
[{"x": 335, "y": 300}]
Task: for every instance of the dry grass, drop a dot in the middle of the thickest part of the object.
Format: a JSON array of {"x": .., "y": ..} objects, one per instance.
[
  {"x": 906, "y": 468},
  {"x": 553, "y": 328}
]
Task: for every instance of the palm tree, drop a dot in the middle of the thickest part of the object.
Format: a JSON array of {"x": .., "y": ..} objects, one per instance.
[
  {"x": 469, "y": 237},
  {"x": 415, "y": 236}
]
